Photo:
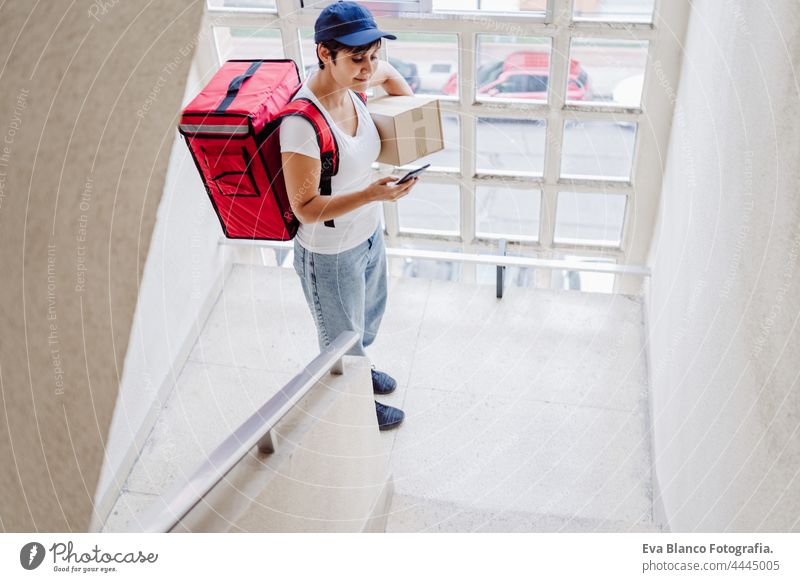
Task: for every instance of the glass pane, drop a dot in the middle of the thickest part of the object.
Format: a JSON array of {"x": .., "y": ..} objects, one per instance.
[
  {"x": 512, "y": 67},
  {"x": 427, "y": 61},
  {"x": 379, "y": 8},
  {"x": 248, "y": 43},
  {"x": 517, "y": 276},
  {"x": 243, "y": 4},
  {"x": 511, "y": 145},
  {"x": 511, "y": 213},
  {"x": 427, "y": 268},
  {"x": 430, "y": 207},
  {"x": 607, "y": 71},
  {"x": 585, "y": 218},
  {"x": 450, "y": 157},
  {"x": 308, "y": 50},
  {"x": 532, "y": 6},
  {"x": 614, "y": 10},
  {"x": 584, "y": 280},
  {"x": 598, "y": 149}
]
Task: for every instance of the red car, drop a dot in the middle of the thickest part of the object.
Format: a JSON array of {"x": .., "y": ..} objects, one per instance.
[{"x": 524, "y": 75}]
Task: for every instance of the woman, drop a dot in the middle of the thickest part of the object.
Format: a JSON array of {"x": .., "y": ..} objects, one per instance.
[{"x": 339, "y": 249}]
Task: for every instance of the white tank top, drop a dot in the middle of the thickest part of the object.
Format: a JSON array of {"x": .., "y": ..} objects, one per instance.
[{"x": 356, "y": 156}]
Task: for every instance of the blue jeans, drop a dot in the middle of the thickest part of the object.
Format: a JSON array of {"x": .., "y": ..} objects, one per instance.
[{"x": 345, "y": 291}]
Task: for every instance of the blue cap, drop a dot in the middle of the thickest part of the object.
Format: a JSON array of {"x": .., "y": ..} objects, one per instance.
[{"x": 349, "y": 24}]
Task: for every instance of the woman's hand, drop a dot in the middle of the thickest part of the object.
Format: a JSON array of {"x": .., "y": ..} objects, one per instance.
[{"x": 385, "y": 189}]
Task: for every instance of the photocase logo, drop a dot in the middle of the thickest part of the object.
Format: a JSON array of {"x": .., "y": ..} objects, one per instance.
[{"x": 31, "y": 555}]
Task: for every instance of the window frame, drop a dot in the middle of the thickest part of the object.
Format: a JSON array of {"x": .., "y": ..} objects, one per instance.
[{"x": 558, "y": 25}]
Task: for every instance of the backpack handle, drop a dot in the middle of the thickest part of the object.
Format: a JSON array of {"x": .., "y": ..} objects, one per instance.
[{"x": 236, "y": 84}]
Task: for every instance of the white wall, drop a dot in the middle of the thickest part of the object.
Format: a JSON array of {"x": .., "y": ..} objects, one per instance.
[
  {"x": 724, "y": 298},
  {"x": 79, "y": 192},
  {"x": 182, "y": 278}
]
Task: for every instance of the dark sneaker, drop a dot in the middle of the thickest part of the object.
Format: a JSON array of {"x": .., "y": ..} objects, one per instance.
[
  {"x": 388, "y": 416},
  {"x": 382, "y": 383}
]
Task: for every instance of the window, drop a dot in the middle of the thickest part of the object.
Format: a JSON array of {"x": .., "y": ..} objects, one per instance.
[
  {"x": 427, "y": 61},
  {"x": 600, "y": 150},
  {"x": 537, "y": 7},
  {"x": 517, "y": 276},
  {"x": 606, "y": 71},
  {"x": 507, "y": 212},
  {"x": 589, "y": 218},
  {"x": 248, "y": 43},
  {"x": 430, "y": 269},
  {"x": 520, "y": 85},
  {"x": 613, "y": 10},
  {"x": 430, "y": 208},
  {"x": 543, "y": 148},
  {"x": 586, "y": 281},
  {"x": 450, "y": 157},
  {"x": 506, "y": 145},
  {"x": 242, "y": 4},
  {"x": 308, "y": 50},
  {"x": 511, "y": 67}
]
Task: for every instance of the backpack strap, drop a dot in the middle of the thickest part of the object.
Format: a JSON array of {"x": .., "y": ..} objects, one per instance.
[{"x": 328, "y": 148}]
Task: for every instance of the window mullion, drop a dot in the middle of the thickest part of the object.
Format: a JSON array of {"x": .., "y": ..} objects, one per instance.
[
  {"x": 550, "y": 11},
  {"x": 207, "y": 58},
  {"x": 559, "y": 64},
  {"x": 562, "y": 12},
  {"x": 287, "y": 8},
  {"x": 290, "y": 32},
  {"x": 466, "y": 73}
]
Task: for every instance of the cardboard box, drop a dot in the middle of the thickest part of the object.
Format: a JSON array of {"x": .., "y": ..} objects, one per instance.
[{"x": 410, "y": 127}]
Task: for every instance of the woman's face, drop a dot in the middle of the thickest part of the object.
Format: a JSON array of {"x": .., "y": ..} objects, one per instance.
[{"x": 351, "y": 70}]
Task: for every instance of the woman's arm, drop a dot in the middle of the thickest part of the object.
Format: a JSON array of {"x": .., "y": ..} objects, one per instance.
[
  {"x": 387, "y": 77},
  {"x": 301, "y": 174}
]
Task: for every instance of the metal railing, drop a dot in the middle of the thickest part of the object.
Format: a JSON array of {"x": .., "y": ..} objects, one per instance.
[
  {"x": 501, "y": 260},
  {"x": 184, "y": 496}
]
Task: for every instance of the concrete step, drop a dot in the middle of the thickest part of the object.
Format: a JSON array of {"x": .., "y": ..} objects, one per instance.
[{"x": 410, "y": 514}]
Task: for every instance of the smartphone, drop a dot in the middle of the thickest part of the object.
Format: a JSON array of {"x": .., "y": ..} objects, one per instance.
[{"x": 412, "y": 174}]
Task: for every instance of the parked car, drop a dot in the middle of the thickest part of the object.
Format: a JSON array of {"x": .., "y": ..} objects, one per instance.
[
  {"x": 409, "y": 72},
  {"x": 524, "y": 75},
  {"x": 434, "y": 75},
  {"x": 486, "y": 73}
]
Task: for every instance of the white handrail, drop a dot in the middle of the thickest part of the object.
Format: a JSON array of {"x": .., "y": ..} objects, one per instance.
[
  {"x": 482, "y": 259},
  {"x": 183, "y": 496}
]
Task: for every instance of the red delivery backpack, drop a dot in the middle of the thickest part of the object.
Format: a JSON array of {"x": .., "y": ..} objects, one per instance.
[{"x": 231, "y": 129}]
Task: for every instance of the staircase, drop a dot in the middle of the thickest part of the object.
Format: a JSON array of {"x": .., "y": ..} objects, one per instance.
[{"x": 526, "y": 414}]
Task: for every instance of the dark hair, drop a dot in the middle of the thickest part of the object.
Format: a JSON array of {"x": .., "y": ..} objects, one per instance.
[{"x": 334, "y": 47}]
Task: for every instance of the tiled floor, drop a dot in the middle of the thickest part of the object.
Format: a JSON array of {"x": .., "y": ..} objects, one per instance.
[{"x": 523, "y": 414}]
